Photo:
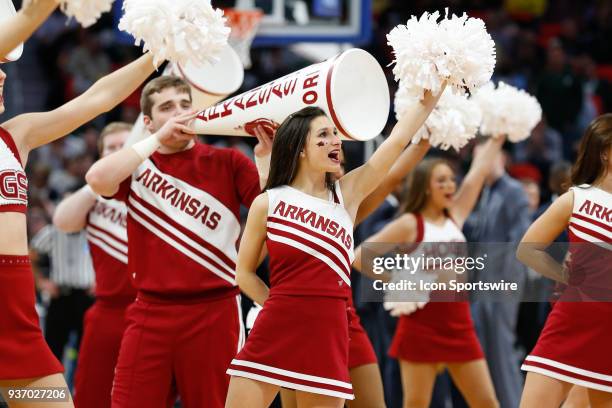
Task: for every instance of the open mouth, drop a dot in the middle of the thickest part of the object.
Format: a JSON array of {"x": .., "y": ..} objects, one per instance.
[
  {"x": 334, "y": 155},
  {"x": 448, "y": 196}
]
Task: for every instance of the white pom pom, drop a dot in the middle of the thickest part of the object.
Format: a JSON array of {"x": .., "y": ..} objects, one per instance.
[
  {"x": 507, "y": 111},
  {"x": 86, "y": 12},
  {"x": 452, "y": 123},
  {"x": 403, "y": 99},
  {"x": 427, "y": 53},
  {"x": 176, "y": 30}
]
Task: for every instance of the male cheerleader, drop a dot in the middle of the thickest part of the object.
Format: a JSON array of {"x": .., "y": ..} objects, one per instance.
[
  {"x": 183, "y": 201},
  {"x": 105, "y": 222}
]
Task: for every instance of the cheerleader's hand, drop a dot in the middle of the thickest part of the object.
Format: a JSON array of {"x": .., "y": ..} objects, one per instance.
[
  {"x": 565, "y": 270},
  {"x": 265, "y": 136},
  {"x": 252, "y": 316}
]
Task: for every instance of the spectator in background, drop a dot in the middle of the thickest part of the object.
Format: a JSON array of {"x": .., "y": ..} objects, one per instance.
[
  {"x": 52, "y": 154},
  {"x": 90, "y": 137},
  {"x": 521, "y": 60},
  {"x": 584, "y": 67},
  {"x": 39, "y": 193},
  {"x": 70, "y": 177},
  {"x": 87, "y": 62},
  {"x": 597, "y": 89},
  {"x": 600, "y": 31},
  {"x": 532, "y": 190},
  {"x": 501, "y": 216},
  {"x": 68, "y": 286},
  {"x": 559, "y": 91},
  {"x": 558, "y": 182},
  {"x": 52, "y": 37},
  {"x": 569, "y": 36},
  {"x": 530, "y": 177},
  {"x": 542, "y": 149}
]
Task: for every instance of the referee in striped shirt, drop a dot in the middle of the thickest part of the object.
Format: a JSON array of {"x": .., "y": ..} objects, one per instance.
[{"x": 68, "y": 286}]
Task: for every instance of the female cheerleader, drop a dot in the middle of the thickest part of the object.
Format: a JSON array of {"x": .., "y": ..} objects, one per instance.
[
  {"x": 574, "y": 346},
  {"x": 441, "y": 333},
  {"x": 362, "y": 363},
  {"x": 300, "y": 339},
  {"x": 25, "y": 359}
]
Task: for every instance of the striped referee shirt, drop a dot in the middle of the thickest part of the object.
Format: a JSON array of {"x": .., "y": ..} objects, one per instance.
[{"x": 71, "y": 264}]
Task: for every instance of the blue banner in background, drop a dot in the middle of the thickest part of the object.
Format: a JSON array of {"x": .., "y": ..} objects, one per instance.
[{"x": 327, "y": 8}]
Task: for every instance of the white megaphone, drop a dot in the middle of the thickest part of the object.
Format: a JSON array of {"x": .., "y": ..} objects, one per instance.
[
  {"x": 7, "y": 9},
  {"x": 209, "y": 84},
  {"x": 350, "y": 87},
  {"x": 212, "y": 82}
]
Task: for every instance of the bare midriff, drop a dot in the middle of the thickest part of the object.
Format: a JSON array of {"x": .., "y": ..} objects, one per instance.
[{"x": 13, "y": 234}]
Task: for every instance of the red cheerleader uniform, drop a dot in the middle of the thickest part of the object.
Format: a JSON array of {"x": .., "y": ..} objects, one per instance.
[
  {"x": 440, "y": 332},
  {"x": 23, "y": 350},
  {"x": 361, "y": 351},
  {"x": 300, "y": 339},
  {"x": 574, "y": 345},
  {"x": 185, "y": 325}
]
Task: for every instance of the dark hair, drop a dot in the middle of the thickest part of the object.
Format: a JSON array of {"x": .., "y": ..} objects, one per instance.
[
  {"x": 559, "y": 177},
  {"x": 597, "y": 139},
  {"x": 159, "y": 84},
  {"x": 415, "y": 196},
  {"x": 289, "y": 141}
]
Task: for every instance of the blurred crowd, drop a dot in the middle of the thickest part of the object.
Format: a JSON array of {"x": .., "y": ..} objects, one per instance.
[{"x": 558, "y": 50}]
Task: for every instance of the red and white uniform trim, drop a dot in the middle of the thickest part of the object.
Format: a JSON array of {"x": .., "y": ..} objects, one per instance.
[
  {"x": 150, "y": 208},
  {"x": 291, "y": 379},
  {"x": 107, "y": 236},
  {"x": 574, "y": 344},
  {"x": 313, "y": 227},
  {"x": 568, "y": 373},
  {"x": 106, "y": 228},
  {"x": 591, "y": 219},
  {"x": 166, "y": 229},
  {"x": 13, "y": 180},
  {"x": 442, "y": 331},
  {"x": 310, "y": 244}
]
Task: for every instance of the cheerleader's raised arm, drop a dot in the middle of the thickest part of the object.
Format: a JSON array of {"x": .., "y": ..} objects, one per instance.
[
  {"x": 359, "y": 183},
  {"x": 19, "y": 27}
]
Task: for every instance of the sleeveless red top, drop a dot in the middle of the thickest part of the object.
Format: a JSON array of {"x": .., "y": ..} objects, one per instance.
[{"x": 13, "y": 180}]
